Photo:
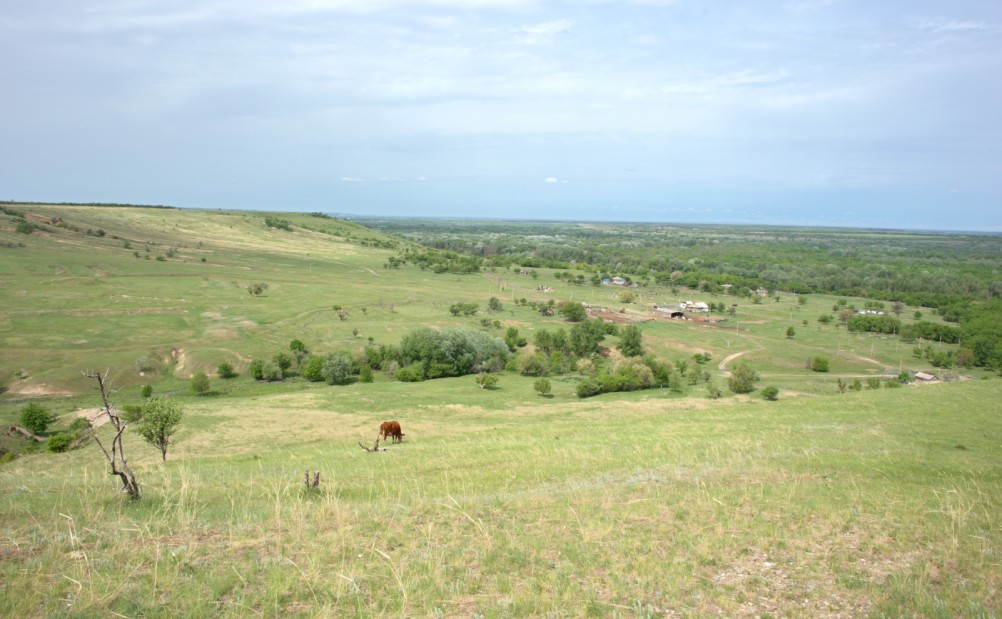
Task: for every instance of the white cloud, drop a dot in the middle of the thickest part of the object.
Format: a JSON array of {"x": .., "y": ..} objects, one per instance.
[
  {"x": 542, "y": 32},
  {"x": 951, "y": 25},
  {"x": 351, "y": 179},
  {"x": 550, "y": 179}
]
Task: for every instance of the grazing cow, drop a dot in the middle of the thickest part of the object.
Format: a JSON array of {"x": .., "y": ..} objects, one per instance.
[{"x": 391, "y": 429}]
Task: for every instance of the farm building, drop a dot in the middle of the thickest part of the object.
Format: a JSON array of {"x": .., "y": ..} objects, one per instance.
[
  {"x": 698, "y": 306},
  {"x": 669, "y": 312}
]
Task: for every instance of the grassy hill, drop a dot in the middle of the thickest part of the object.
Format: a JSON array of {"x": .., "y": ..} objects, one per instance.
[{"x": 498, "y": 503}]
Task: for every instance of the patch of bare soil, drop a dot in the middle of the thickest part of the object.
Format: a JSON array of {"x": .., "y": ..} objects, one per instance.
[
  {"x": 95, "y": 416},
  {"x": 610, "y": 316},
  {"x": 39, "y": 389}
]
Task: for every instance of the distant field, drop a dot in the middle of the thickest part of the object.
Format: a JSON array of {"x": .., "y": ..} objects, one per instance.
[
  {"x": 499, "y": 503},
  {"x": 159, "y": 280}
]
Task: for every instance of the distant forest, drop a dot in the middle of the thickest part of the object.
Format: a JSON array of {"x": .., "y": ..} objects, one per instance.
[
  {"x": 24, "y": 203},
  {"x": 959, "y": 275}
]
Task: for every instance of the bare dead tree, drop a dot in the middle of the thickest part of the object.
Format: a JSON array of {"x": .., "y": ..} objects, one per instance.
[
  {"x": 116, "y": 458},
  {"x": 316, "y": 480},
  {"x": 375, "y": 447}
]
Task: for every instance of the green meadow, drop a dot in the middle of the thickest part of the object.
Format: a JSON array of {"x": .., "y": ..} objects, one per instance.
[{"x": 498, "y": 503}]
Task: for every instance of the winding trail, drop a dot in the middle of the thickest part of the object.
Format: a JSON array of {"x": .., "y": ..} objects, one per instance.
[{"x": 722, "y": 366}]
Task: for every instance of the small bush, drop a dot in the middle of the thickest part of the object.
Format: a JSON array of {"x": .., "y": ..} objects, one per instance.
[
  {"x": 819, "y": 364},
  {"x": 313, "y": 371},
  {"x": 36, "y": 417},
  {"x": 770, "y": 393},
  {"x": 413, "y": 373},
  {"x": 486, "y": 380},
  {"x": 365, "y": 374},
  {"x": 58, "y": 443},
  {"x": 147, "y": 391},
  {"x": 257, "y": 369},
  {"x": 80, "y": 425},
  {"x": 225, "y": 370},
  {"x": 200, "y": 383}
]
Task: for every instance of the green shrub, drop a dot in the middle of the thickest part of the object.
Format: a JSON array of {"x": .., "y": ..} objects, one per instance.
[
  {"x": 486, "y": 380},
  {"x": 819, "y": 364},
  {"x": 313, "y": 371},
  {"x": 80, "y": 425},
  {"x": 36, "y": 417},
  {"x": 147, "y": 391},
  {"x": 742, "y": 378},
  {"x": 413, "y": 373},
  {"x": 770, "y": 393},
  {"x": 225, "y": 370},
  {"x": 200, "y": 383},
  {"x": 257, "y": 369},
  {"x": 338, "y": 368},
  {"x": 365, "y": 374},
  {"x": 588, "y": 388},
  {"x": 58, "y": 443}
]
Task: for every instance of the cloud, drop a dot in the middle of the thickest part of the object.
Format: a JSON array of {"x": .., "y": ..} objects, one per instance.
[
  {"x": 951, "y": 25},
  {"x": 351, "y": 179},
  {"x": 550, "y": 179},
  {"x": 543, "y": 32}
]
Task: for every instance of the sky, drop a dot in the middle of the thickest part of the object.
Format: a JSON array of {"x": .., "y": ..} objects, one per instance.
[{"x": 799, "y": 112}]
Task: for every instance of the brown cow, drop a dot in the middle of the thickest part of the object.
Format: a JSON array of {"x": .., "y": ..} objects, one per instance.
[{"x": 391, "y": 429}]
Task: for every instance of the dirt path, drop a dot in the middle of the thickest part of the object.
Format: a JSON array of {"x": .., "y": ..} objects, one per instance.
[{"x": 722, "y": 366}]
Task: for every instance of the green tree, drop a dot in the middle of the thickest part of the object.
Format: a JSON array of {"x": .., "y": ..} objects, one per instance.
[
  {"x": 572, "y": 311},
  {"x": 513, "y": 340},
  {"x": 159, "y": 421},
  {"x": 494, "y": 305},
  {"x": 790, "y": 332},
  {"x": 631, "y": 341},
  {"x": 338, "y": 368},
  {"x": 742, "y": 378},
  {"x": 314, "y": 369},
  {"x": 586, "y": 336},
  {"x": 532, "y": 365},
  {"x": 284, "y": 362},
  {"x": 36, "y": 417},
  {"x": 297, "y": 346},
  {"x": 257, "y": 369},
  {"x": 200, "y": 382},
  {"x": 225, "y": 370},
  {"x": 543, "y": 387}
]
